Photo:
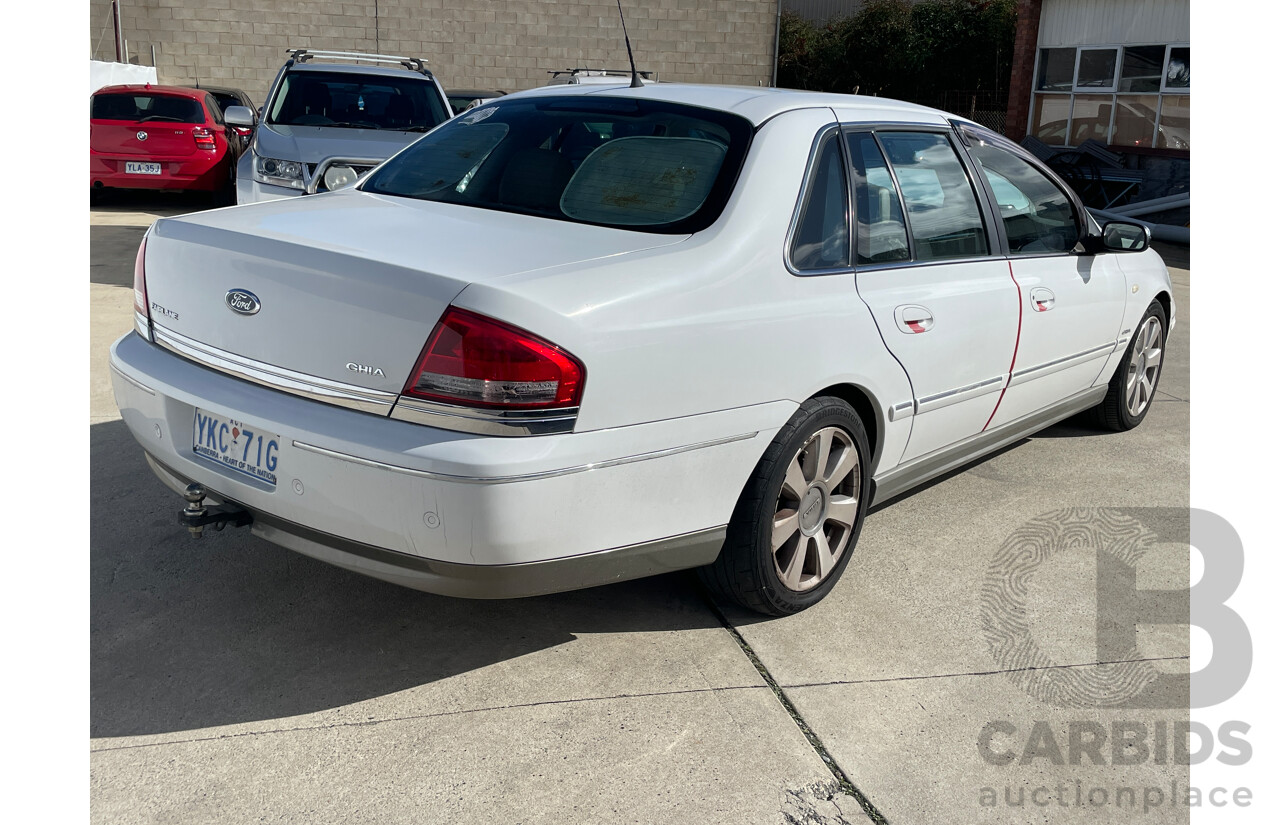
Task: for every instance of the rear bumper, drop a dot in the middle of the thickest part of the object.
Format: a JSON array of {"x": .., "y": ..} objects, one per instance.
[
  {"x": 451, "y": 512},
  {"x": 478, "y": 581},
  {"x": 198, "y": 172}
]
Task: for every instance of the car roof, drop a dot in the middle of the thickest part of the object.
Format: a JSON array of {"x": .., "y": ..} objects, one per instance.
[
  {"x": 312, "y": 65},
  {"x": 222, "y": 90},
  {"x": 757, "y": 104},
  {"x": 150, "y": 88},
  {"x": 474, "y": 93}
]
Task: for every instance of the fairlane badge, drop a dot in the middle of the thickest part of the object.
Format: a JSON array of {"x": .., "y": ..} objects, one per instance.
[{"x": 243, "y": 301}]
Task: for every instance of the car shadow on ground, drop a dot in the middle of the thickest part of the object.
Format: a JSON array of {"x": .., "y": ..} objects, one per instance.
[
  {"x": 229, "y": 629},
  {"x": 114, "y": 268},
  {"x": 146, "y": 200}
]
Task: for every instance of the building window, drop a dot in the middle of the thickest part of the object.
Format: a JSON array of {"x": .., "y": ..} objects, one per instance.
[{"x": 1123, "y": 96}]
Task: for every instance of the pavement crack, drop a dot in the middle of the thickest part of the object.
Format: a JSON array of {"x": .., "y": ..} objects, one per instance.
[
  {"x": 984, "y": 672},
  {"x": 419, "y": 716},
  {"x": 842, "y": 780}
]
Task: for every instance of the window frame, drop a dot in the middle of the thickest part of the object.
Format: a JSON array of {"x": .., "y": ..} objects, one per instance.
[
  {"x": 1112, "y": 90},
  {"x": 996, "y": 244},
  {"x": 971, "y": 131},
  {"x": 810, "y": 173}
]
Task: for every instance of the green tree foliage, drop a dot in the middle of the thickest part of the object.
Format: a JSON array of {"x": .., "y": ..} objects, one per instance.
[{"x": 900, "y": 49}]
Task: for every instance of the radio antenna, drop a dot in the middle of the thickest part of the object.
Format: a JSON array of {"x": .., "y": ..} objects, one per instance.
[{"x": 635, "y": 76}]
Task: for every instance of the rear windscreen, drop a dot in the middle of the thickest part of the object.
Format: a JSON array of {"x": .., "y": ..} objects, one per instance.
[
  {"x": 142, "y": 108},
  {"x": 612, "y": 161}
]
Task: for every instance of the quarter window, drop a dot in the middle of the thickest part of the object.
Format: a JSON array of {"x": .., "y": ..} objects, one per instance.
[
  {"x": 821, "y": 239},
  {"x": 1038, "y": 217},
  {"x": 942, "y": 211}
]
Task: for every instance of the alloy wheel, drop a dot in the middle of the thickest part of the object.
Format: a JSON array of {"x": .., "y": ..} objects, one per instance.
[
  {"x": 1144, "y": 366},
  {"x": 817, "y": 509}
]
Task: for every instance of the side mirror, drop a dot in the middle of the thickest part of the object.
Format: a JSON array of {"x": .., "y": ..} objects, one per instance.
[
  {"x": 238, "y": 116},
  {"x": 1125, "y": 236}
]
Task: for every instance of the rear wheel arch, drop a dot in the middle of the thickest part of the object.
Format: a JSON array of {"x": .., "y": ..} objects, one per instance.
[{"x": 867, "y": 407}]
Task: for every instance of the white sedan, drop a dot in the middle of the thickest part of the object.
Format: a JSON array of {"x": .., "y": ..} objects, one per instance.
[{"x": 585, "y": 334}]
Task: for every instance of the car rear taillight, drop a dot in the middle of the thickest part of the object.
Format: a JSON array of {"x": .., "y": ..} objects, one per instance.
[
  {"x": 479, "y": 362},
  {"x": 204, "y": 138},
  {"x": 141, "y": 309},
  {"x": 243, "y": 131}
]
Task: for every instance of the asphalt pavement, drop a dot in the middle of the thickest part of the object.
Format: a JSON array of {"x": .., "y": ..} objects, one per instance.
[{"x": 953, "y": 675}]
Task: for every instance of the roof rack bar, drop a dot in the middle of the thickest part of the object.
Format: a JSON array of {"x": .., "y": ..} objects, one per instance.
[
  {"x": 417, "y": 64},
  {"x": 596, "y": 72}
]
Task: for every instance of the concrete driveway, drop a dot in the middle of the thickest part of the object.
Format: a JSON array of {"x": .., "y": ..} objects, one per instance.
[{"x": 234, "y": 681}]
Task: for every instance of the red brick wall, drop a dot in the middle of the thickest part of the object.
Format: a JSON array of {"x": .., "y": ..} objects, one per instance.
[{"x": 1024, "y": 68}]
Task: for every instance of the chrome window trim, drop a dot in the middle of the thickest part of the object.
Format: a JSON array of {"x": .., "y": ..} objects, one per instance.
[
  {"x": 955, "y": 396},
  {"x": 1058, "y": 364},
  {"x": 485, "y": 421},
  {"x": 312, "y": 387},
  {"x": 511, "y": 479},
  {"x": 313, "y": 184}
]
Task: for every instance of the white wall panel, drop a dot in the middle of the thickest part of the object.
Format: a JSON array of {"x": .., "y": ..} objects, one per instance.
[{"x": 1114, "y": 22}]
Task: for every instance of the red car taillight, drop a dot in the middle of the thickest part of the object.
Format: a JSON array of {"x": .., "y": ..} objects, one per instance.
[
  {"x": 479, "y": 362},
  {"x": 141, "y": 309},
  {"x": 204, "y": 138},
  {"x": 243, "y": 131}
]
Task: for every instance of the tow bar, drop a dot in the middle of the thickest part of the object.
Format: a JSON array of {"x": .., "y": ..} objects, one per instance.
[{"x": 197, "y": 517}]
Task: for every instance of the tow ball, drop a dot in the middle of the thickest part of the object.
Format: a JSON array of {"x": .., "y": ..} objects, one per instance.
[{"x": 197, "y": 517}]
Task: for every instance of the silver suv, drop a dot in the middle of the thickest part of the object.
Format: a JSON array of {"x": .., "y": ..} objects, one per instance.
[{"x": 326, "y": 123}]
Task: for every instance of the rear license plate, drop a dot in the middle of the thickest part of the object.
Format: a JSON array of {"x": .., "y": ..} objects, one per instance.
[
  {"x": 242, "y": 447},
  {"x": 134, "y": 168}
]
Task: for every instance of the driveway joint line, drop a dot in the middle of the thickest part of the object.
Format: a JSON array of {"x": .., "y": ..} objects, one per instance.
[
  {"x": 842, "y": 779},
  {"x": 419, "y": 716},
  {"x": 984, "y": 672}
]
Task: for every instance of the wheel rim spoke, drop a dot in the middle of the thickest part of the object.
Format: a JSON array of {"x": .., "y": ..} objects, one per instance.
[
  {"x": 847, "y": 463},
  {"x": 795, "y": 482},
  {"x": 822, "y": 550},
  {"x": 785, "y": 525},
  {"x": 791, "y": 576},
  {"x": 843, "y": 510}
]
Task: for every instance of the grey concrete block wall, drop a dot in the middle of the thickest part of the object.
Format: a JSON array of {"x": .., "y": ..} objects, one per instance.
[{"x": 500, "y": 44}]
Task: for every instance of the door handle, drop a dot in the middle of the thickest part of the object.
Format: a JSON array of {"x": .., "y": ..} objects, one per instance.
[
  {"x": 913, "y": 319},
  {"x": 1042, "y": 300}
]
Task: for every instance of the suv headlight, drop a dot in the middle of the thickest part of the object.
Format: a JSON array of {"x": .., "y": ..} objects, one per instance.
[{"x": 279, "y": 172}]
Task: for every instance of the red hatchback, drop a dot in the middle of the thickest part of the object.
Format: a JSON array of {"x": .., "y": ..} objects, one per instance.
[{"x": 160, "y": 137}]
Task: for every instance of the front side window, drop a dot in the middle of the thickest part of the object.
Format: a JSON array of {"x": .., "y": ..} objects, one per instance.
[
  {"x": 621, "y": 162},
  {"x": 942, "y": 210},
  {"x": 1038, "y": 217},
  {"x": 821, "y": 239},
  {"x": 355, "y": 101}
]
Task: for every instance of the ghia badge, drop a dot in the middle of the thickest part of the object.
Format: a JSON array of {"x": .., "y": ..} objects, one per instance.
[{"x": 243, "y": 301}]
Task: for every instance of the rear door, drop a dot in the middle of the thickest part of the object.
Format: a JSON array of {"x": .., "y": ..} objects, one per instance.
[
  {"x": 144, "y": 123},
  {"x": 1072, "y": 303},
  {"x": 944, "y": 302}
]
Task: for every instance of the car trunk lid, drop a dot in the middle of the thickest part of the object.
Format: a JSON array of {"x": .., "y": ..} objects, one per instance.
[{"x": 348, "y": 285}]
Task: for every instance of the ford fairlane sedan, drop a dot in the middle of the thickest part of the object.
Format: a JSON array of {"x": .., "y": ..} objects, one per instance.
[{"x": 585, "y": 334}]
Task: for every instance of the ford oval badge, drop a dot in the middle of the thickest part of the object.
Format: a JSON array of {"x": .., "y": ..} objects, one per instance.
[{"x": 243, "y": 301}]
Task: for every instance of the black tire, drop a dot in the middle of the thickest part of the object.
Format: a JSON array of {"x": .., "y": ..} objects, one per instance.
[
  {"x": 1114, "y": 412},
  {"x": 747, "y": 572}
]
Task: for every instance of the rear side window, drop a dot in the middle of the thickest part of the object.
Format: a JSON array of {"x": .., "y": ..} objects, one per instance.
[
  {"x": 215, "y": 111},
  {"x": 1038, "y": 216},
  {"x": 942, "y": 209},
  {"x": 821, "y": 239},
  {"x": 882, "y": 233},
  {"x": 145, "y": 108},
  {"x": 632, "y": 164}
]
